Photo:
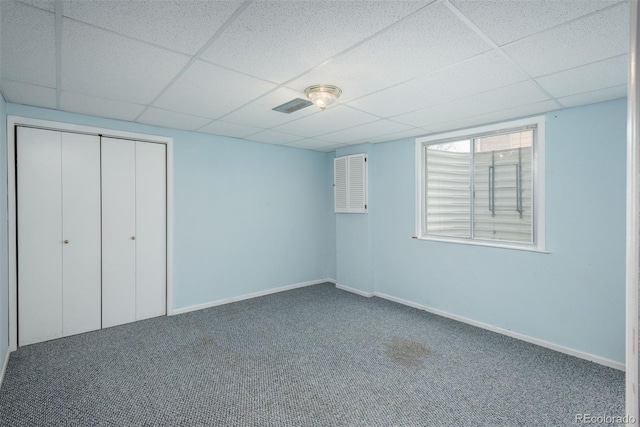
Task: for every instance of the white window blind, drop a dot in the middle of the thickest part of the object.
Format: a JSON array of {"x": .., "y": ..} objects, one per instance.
[
  {"x": 482, "y": 185},
  {"x": 350, "y": 183},
  {"x": 448, "y": 189}
]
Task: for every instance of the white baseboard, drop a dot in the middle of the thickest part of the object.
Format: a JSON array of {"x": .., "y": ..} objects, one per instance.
[
  {"x": 354, "y": 290},
  {"x": 562, "y": 349},
  {"x": 4, "y": 366},
  {"x": 248, "y": 296}
]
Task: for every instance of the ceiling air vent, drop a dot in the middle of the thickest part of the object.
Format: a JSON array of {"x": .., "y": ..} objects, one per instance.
[{"x": 293, "y": 105}]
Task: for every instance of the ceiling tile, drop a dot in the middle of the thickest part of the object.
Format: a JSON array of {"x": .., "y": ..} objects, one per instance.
[
  {"x": 184, "y": 26},
  {"x": 48, "y": 5},
  {"x": 413, "y": 132},
  {"x": 332, "y": 119},
  {"x": 28, "y": 44},
  {"x": 207, "y": 90},
  {"x": 496, "y": 116},
  {"x": 23, "y": 93},
  {"x": 171, "y": 119},
  {"x": 607, "y": 73},
  {"x": 315, "y": 144},
  {"x": 101, "y": 107},
  {"x": 260, "y": 112},
  {"x": 507, "y": 21},
  {"x": 486, "y": 102},
  {"x": 103, "y": 64},
  {"x": 273, "y": 137},
  {"x": 593, "y": 38},
  {"x": 304, "y": 32},
  {"x": 482, "y": 73},
  {"x": 429, "y": 40},
  {"x": 220, "y": 127},
  {"x": 592, "y": 97},
  {"x": 365, "y": 131}
]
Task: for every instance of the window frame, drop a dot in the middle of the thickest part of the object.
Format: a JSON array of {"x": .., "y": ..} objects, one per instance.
[{"x": 538, "y": 184}]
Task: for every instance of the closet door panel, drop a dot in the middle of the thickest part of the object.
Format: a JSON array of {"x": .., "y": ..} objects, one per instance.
[
  {"x": 150, "y": 230},
  {"x": 118, "y": 232},
  {"x": 81, "y": 233},
  {"x": 39, "y": 205}
]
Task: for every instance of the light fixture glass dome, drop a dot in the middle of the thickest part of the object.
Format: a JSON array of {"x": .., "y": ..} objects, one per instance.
[{"x": 323, "y": 95}]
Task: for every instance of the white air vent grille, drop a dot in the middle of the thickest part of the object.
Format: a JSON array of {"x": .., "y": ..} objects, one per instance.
[{"x": 293, "y": 106}]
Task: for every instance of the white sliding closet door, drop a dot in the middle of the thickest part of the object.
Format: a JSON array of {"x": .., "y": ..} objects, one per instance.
[
  {"x": 134, "y": 229},
  {"x": 39, "y": 199},
  {"x": 81, "y": 233},
  {"x": 58, "y": 178},
  {"x": 151, "y": 228},
  {"x": 118, "y": 232}
]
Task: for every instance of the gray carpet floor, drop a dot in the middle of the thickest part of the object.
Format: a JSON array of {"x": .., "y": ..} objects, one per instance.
[{"x": 314, "y": 356}]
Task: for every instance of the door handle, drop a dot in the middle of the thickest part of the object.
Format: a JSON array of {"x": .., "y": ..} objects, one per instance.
[
  {"x": 66, "y": 242},
  {"x": 133, "y": 237}
]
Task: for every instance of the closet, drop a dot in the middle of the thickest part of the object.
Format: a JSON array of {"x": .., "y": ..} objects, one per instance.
[{"x": 91, "y": 232}]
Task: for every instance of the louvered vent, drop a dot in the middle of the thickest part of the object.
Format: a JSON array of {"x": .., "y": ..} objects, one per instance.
[
  {"x": 293, "y": 106},
  {"x": 340, "y": 182},
  {"x": 350, "y": 180},
  {"x": 356, "y": 183}
]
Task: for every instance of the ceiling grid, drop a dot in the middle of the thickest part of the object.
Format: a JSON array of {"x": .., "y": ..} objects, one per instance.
[{"x": 406, "y": 68}]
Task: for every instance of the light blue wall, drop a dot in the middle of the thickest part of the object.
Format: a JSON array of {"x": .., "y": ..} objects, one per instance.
[
  {"x": 330, "y": 225},
  {"x": 573, "y": 296},
  {"x": 354, "y": 235},
  {"x": 247, "y": 216},
  {"x": 4, "y": 258}
]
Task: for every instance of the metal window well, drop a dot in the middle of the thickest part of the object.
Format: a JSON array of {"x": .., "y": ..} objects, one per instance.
[{"x": 516, "y": 181}]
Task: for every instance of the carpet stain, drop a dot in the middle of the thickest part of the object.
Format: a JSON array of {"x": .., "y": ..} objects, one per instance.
[
  {"x": 203, "y": 347},
  {"x": 406, "y": 352}
]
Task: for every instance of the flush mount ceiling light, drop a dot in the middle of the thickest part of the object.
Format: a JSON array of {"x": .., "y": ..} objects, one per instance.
[{"x": 323, "y": 95}]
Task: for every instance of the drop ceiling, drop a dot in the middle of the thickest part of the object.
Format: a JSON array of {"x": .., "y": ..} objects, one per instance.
[{"x": 406, "y": 68}]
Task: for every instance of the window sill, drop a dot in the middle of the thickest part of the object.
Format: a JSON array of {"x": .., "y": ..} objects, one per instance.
[{"x": 483, "y": 243}]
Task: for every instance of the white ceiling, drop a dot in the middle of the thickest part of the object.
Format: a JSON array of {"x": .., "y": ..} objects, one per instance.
[{"x": 406, "y": 68}]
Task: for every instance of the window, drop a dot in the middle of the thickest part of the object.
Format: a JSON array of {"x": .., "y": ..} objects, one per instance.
[
  {"x": 350, "y": 183},
  {"x": 483, "y": 185}
]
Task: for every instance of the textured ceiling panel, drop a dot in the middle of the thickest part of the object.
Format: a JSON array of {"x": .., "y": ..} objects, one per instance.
[
  {"x": 486, "y": 102},
  {"x": 431, "y": 39},
  {"x": 184, "y": 26},
  {"x": 101, "y": 107},
  {"x": 405, "y": 67},
  {"x": 273, "y": 137},
  {"x": 394, "y": 136},
  {"x": 600, "y": 95},
  {"x": 28, "y": 44},
  {"x": 207, "y": 90},
  {"x": 107, "y": 65},
  {"x": 315, "y": 144},
  {"x": 496, "y": 116},
  {"x": 482, "y": 73},
  {"x": 48, "y": 5},
  {"x": 607, "y": 73},
  {"x": 332, "y": 119},
  {"x": 365, "y": 131},
  {"x": 260, "y": 112},
  {"x": 220, "y": 127},
  {"x": 170, "y": 119},
  {"x": 508, "y": 21},
  {"x": 23, "y": 93},
  {"x": 278, "y": 40},
  {"x": 593, "y": 38}
]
